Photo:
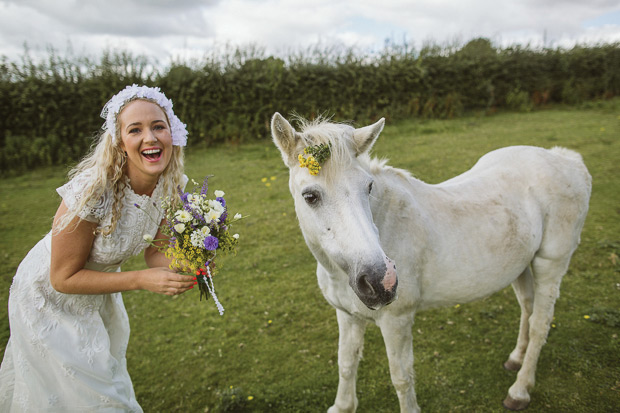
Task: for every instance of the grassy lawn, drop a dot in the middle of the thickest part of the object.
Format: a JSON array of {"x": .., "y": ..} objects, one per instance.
[{"x": 275, "y": 348}]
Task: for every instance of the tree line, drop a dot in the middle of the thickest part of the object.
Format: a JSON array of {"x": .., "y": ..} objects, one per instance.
[{"x": 50, "y": 109}]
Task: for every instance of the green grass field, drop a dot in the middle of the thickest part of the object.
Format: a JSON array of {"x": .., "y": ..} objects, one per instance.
[{"x": 275, "y": 348}]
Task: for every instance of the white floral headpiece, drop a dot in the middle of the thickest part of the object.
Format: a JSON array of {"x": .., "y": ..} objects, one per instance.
[{"x": 110, "y": 111}]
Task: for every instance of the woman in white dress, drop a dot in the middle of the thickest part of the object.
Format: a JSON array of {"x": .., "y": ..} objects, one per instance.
[{"x": 69, "y": 327}]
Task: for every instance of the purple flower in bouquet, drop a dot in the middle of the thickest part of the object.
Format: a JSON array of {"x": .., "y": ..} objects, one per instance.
[
  {"x": 223, "y": 217},
  {"x": 211, "y": 243},
  {"x": 221, "y": 200},
  {"x": 182, "y": 195},
  {"x": 205, "y": 186},
  {"x": 195, "y": 214}
]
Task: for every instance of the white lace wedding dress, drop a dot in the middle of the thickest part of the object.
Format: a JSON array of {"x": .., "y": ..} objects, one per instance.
[{"x": 66, "y": 352}]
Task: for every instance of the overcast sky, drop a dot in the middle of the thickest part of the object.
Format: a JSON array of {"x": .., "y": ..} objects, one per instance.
[{"x": 186, "y": 29}]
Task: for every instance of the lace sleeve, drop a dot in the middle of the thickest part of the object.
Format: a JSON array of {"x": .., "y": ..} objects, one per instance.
[{"x": 93, "y": 211}]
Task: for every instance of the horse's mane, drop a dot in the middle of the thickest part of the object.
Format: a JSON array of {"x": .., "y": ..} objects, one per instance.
[{"x": 377, "y": 166}]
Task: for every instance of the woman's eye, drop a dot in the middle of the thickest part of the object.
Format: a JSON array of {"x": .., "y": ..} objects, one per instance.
[
  {"x": 311, "y": 198},
  {"x": 134, "y": 130},
  {"x": 159, "y": 127}
]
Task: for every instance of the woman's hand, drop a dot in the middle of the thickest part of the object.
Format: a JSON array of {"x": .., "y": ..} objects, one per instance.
[
  {"x": 163, "y": 280},
  {"x": 71, "y": 248}
]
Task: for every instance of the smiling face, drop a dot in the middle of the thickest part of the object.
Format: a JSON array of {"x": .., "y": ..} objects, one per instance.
[{"x": 145, "y": 136}]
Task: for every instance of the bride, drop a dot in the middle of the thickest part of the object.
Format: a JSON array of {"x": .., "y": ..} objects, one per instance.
[{"x": 69, "y": 327}]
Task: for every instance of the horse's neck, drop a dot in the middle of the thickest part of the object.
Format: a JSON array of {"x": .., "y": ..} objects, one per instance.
[{"x": 400, "y": 200}]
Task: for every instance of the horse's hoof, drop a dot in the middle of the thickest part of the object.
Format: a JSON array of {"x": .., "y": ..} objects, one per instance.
[
  {"x": 515, "y": 405},
  {"x": 512, "y": 365}
]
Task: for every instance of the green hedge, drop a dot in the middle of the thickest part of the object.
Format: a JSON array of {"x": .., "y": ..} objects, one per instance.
[{"x": 50, "y": 110}]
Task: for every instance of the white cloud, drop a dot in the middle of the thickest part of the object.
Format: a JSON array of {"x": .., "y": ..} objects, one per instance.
[
  {"x": 139, "y": 25},
  {"x": 189, "y": 28},
  {"x": 277, "y": 23}
]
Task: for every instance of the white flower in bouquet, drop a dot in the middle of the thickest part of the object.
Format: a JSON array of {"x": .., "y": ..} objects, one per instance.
[
  {"x": 197, "y": 239},
  {"x": 216, "y": 205},
  {"x": 183, "y": 216},
  {"x": 212, "y": 215}
]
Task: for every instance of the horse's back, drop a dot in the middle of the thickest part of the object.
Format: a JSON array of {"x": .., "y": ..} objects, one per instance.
[
  {"x": 557, "y": 171},
  {"x": 556, "y": 180},
  {"x": 557, "y": 177}
]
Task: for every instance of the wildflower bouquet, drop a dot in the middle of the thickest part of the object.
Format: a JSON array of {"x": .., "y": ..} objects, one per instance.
[{"x": 199, "y": 229}]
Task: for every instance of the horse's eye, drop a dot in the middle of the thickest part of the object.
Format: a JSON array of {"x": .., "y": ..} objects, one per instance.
[
  {"x": 311, "y": 197},
  {"x": 370, "y": 187}
]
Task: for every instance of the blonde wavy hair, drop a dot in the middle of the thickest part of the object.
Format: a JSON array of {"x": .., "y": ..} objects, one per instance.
[{"x": 105, "y": 163}]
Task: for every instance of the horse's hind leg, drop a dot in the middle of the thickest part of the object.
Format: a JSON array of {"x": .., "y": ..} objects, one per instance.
[
  {"x": 524, "y": 289},
  {"x": 547, "y": 276}
]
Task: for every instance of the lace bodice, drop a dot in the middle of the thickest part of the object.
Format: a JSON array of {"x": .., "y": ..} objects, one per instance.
[{"x": 140, "y": 215}]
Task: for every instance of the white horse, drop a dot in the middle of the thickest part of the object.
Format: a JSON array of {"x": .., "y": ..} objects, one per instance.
[{"x": 514, "y": 218}]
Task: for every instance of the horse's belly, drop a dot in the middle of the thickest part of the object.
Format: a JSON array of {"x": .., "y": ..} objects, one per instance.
[
  {"x": 480, "y": 265},
  {"x": 472, "y": 278},
  {"x": 457, "y": 290}
]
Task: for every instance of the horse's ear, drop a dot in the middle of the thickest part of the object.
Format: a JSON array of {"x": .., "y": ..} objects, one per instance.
[
  {"x": 365, "y": 137},
  {"x": 285, "y": 138}
]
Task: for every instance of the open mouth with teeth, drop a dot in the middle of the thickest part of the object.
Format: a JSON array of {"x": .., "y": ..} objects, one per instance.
[{"x": 152, "y": 155}]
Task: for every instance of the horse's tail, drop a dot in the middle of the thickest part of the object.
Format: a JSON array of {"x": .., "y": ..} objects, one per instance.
[{"x": 579, "y": 163}]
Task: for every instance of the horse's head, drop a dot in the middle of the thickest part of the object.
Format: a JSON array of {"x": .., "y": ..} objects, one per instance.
[{"x": 333, "y": 205}]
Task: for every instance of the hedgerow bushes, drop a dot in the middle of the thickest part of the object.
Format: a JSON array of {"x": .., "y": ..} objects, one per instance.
[{"x": 50, "y": 109}]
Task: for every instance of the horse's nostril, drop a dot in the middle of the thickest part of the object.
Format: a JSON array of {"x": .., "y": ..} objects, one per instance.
[{"x": 364, "y": 286}]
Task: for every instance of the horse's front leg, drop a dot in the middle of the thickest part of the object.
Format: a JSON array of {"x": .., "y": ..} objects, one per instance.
[
  {"x": 398, "y": 340},
  {"x": 350, "y": 346}
]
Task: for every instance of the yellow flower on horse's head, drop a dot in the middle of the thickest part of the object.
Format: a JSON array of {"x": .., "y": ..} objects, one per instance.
[
  {"x": 302, "y": 163},
  {"x": 313, "y": 166},
  {"x": 317, "y": 155},
  {"x": 310, "y": 163}
]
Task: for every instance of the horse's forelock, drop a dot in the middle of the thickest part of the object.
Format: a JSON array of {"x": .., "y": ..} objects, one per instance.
[{"x": 339, "y": 136}]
